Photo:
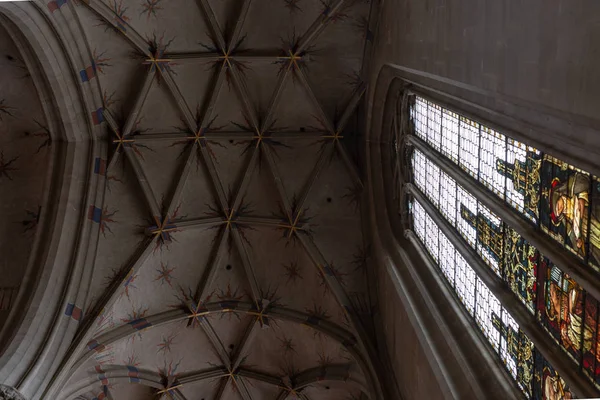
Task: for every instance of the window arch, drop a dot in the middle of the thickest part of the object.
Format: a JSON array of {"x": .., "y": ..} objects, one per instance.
[{"x": 461, "y": 172}]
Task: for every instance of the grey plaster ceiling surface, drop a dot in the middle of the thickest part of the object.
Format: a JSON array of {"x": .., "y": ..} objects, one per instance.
[
  {"x": 230, "y": 262},
  {"x": 24, "y": 160}
]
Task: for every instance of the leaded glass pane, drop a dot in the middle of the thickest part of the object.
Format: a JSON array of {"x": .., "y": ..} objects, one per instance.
[
  {"x": 502, "y": 332},
  {"x": 447, "y": 261},
  {"x": 522, "y": 171},
  {"x": 489, "y": 237},
  {"x": 434, "y": 125},
  {"x": 547, "y": 384},
  {"x": 420, "y": 118},
  {"x": 418, "y": 169},
  {"x": 565, "y": 204},
  {"x": 469, "y": 146},
  {"x": 431, "y": 238},
  {"x": 516, "y": 351},
  {"x": 466, "y": 220},
  {"x": 448, "y": 197},
  {"x": 450, "y": 135},
  {"x": 594, "y": 236},
  {"x": 486, "y": 310},
  {"x": 492, "y": 151},
  {"x": 562, "y": 199},
  {"x": 419, "y": 220},
  {"x": 591, "y": 358},
  {"x": 520, "y": 267},
  {"x": 562, "y": 312},
  {"x": 432, "y": 186},
  {"x": 509, "y": 331},
  {"x": 465, "y": 283}
]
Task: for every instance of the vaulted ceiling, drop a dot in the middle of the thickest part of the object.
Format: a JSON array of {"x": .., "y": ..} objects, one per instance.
[
  {"x": 24, "y": 160},
  {"x": 231, "y": 260}
]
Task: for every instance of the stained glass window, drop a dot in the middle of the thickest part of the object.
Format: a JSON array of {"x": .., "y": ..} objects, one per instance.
[
  {"x": 547, "y": 384},
  {"x": 535, "y": 184},
  {"x": 434, "y": 125},
  {"x": 516, "y": 350},
  {"x": 562, "y": 311},
  {"x": 493, "y": 151},
  {"x": 465, "y": 283},
  {"x": 503, "y": 334},
  {"x": 490, "y": 237},
  {"x": 522, "y": 171},
  {"x": 447, "y": 257},
  {"x": 560, "y": 199},
  {"x": 466, "y": 211},
  {"x": 591, "y": 355},
  {"x": 521, "y": 267},
  {"x": 487, "y": 309},
  {"x": 469, "y": 146},
  {"x": 450, "y": 135},
  {"x": 594, "y": 225},
  {"x": 565, "y": 204},
  {"x": 432, "y": 188},
  {"x": 420, "y": 117},
  {"x": 448, "y": 197}
]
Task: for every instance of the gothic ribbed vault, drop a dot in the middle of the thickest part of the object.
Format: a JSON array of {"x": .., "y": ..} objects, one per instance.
[{"x": 230, "y": 261}]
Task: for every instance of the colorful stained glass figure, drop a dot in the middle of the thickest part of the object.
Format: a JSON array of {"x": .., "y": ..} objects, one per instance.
[
  {"x": 594, "y": 236},
  {"x": 516, "y": 350},
  {"x": 547, "y": 384},
  {"x": 561, "y": 311},
  {"x": 563, "y": 200},
  {"x": 522, "y": 171},
  {"x": 591, "y": 354},
  {"x": 502, "y": 332},
  {"x": 520, "y": 267},
  {"x": 565, "y": 204}
]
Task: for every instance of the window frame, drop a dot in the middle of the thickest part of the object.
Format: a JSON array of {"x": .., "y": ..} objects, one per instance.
[{"x": 392, "y": 84}]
